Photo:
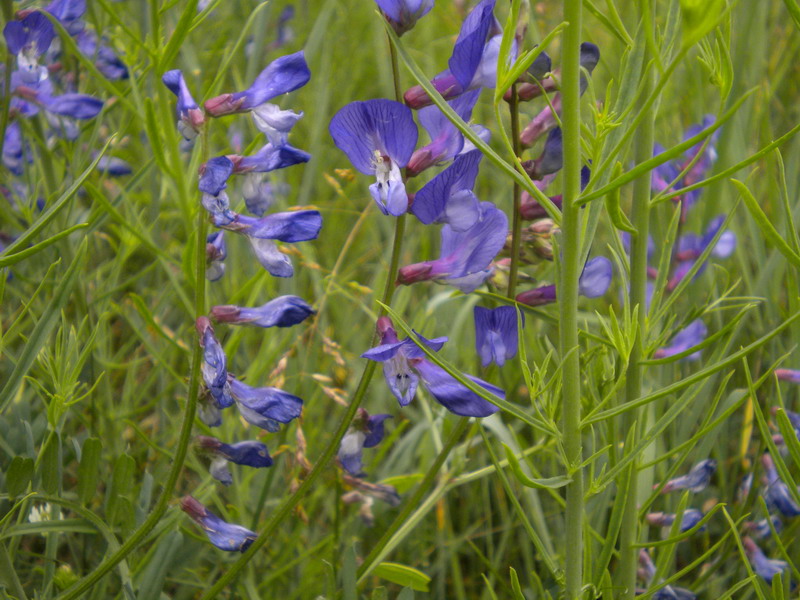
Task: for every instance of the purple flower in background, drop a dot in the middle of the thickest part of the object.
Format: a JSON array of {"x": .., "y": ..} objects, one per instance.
[
  {"x": 265, "y": 407},
  {"x": 473, "y": 63},
  {"x": 695, "y": 480},
  {"x": 190, "y": 116},
  {"x": 465, "y": 256},
  {"x": 215, "y": 364},
  {"x": 69, "y": 13},
  {"x": 404, "y": 14},
  {"x": 28, "y": 39},
  {"x": 448, "y": 197},
  {"x": 260, "y": 194},
  {"x": 669, "y": 592},
  {"x": 113, "y": 166},
  {"x": 13, "y": 149},
  {"x": 551, "y": 159},
  {"x": 285, "y": 33},
  {"x": 378, "y": 136},
  {"x": 691, "y": 246},
  {"x": 765, "y": 567},
  {"x": 777, "y": 494},
  {"x": 75, "y": 106},
  {"x": 593, "y": 283},
  {"x": 530, "y": 209},
  {"x": 405, "y": 366},
  {"x": 106, "y": 61},
  {"x": 761, "y": 529},
  {"x": 788, "y": 375},
  {"x": 686, "y": 338},
  {"x": 250, "y": 454},
  {"x": 216, "y": 253},
  {"x": 496, "y": 334},
  {"x": 690, "y": 518},
  {"x": 224, "y": 536},
  {"x": 446, "y": 140},
  {"x": 283, "y": 75},
  {"x": 366, "y": 431},
  {"x": 284, "y": 311}
]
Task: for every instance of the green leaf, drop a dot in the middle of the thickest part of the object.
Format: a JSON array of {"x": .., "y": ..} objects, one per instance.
[
  {"x": 120, "y": 489},
  {"x": 544, "y": 483},
  {"x": 151, "y": 579},
  {"x": 88, "y": 469},
  {"x": 515, "y": 587},
  {"x": 178, "y": 36},
  {"x": 403, "y": 483},
  {"x": 402, "y": 575},
  {"x": 349, "y": 579},
  {"x": 406, "y": 594},
  {"x": 764, "y": 224},
  {"x": 50, "y": 464},
  {"x": 10, "y": 259},
  {"x": 700, "y": 17},
  {"x": 794, "y": 10},
  {"x": 41, "y": 331},
  {"x": 618, "y": 218},
  {"x": 380, "y": 593},
  {"x": 19, "y": 475}
]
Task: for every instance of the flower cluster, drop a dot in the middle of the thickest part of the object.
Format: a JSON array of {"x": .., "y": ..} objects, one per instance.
[{"x": 264, "y": 407}]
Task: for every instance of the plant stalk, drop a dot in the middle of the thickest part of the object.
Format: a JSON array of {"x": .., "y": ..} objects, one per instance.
[
  {"x": 516, "y": 228},
  {"x": 640, "y": 217},
  {"x": 568, "y": 298}
]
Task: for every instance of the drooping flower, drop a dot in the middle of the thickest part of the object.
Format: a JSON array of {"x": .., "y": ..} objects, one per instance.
[
  {"x": 446, "y": 140},
  {"x": 496, "y": 334},
  {"x": 105, "y": 59},
  {"x": 792, "y": 375},
  {"x": 378, "y": 136},
  {"x": 284, "y": 311},
  {"x": 763, "y": 566},
  {"x": 691, "y": 246},
  {"x": 269, "y": 158},
  {"x": 593, "y": 283},
  {"x": 402, "y": 15},
  {"x": 761, "y": 529},
  {"x": 464, "y": 256},
  {"x": 405, "y": 365},
  {"x": 552, "y": 158},
  {"x": 225, "y": 536},
  {"x": 473, "y": 63},
  {"x": 265, "y": 407},
  {"x": 283, "y": 75},
  {"x": 366, "y": 431},
  {"x": 691, "y": 517},
  {"x": 686, "y": 338},
  {"x": 28, "y": 39},
  {"x": 13, "y": 149},
  {"x": 113, "y": 166},
  {"x": 249, "y": 453},
  {"x": 448, "y": 197},
  {"x": 776, "y": 492},
  {"x": 274, "y": 122},
  {"x": 260, "y": 194},
  {"x": 695, "y": 480},
  {"x": 215, "y": 364},
  {"x": 190, "y": 115},
  {"x": 216, "y": 253}
]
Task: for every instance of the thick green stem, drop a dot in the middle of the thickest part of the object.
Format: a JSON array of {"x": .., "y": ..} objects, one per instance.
[
  {"x": 568, "y": 297},
  {"x": 186, "y": 427},
  {"x": 516, "y": 228},
  {"x": 640, "y": 216}
]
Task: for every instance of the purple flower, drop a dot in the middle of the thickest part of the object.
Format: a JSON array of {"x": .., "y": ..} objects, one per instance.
[
  {"x": 465, "y": 256},
  {"x": 106, "y": 61},
  {"x": 448, "y": 197},
  {"x": 250, "y": 454},
  {"x": 551, "y": 159},
  {"x": 788, "y": 375},
  {"x": 224, "y": 536},
  {"x": 446, "y": 140},
  {"x": 378, "y": 136},
  {"x": 282, "y": 76},
  {"x": 190, "y": 116},
  {"x": 214, "y": 175},
  {"x": 695, "y": 480},
  {"x": 13, "y": 149},
  {"x": 765, "y": 567},
  {"x": 365, "y": 432},
  {"x": 216, "y": 253},
  {"x": 69, "y": 13},
  {"x": 28, "y": 39},
  {"x": 669, "y": 592},
  {"x": 284, "y": 311},
  {"x": 404, "y": 366},
  {"x": 291, "y": 226},
  {"x": 215, "y": 364},
  {"x": 75, "y": 106},
  {"x": 113, "y": 166},
  {"x": 686, "y": 338},
  {"x": 473, "y": 63},
  {"x": 691, "y": 246},
  {"x": 265, "y": 407},
  {"x": 691, "y": 517},
  {"x": 404, "y": 14},
  {"x": 496, "y": 335},
  {"x": 776, "y": 494},
  {"x": 761, "y": 529},
  {"x": 593, "y": 283},
  {"x": 260, "y": 194},
  {"x": 269, "y": 158}
]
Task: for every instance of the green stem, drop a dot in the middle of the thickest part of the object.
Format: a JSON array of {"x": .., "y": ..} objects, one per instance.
[
  {"x": 413, "y": 502},
  {"x": 516, "y": 228},
  {"x": 640, "y": 217},
  {"x": 186, "y": 427},
  {"x": 568, "y": 298}
]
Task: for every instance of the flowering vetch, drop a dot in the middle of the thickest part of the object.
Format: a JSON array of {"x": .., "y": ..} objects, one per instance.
[
  {"x": 284, "y": 311},
  {"x": 763, "y": 566},
  {"x": 225, "y": 536},
  {"x": 378, "y": 136},
  {"x": 402, "y": 15},
  {"x": 464, "y": 256},
  {"x": 265, "y": 407},
  {"x": 215, "y": 364},
  {"x": 405, "y": 365},
  {"x": 690, "y": 518},
  {"x": 688, "y": 337},
  {"x": 190, "y": 115},
  {"x": 216, "y": 253},
  {"x": 249, "y": 453},
  {"x": 496, "y": 334},
  {"x": 448, "y": 197},
  {"x": 776, "y": 492},
  {"x": 28, "y": 39},
  {"x": 691, "y": 246},
  {"x": 366, "y": 431},
  {"x": 593, "y": 283},
  {"x": 695, "y": 480}
]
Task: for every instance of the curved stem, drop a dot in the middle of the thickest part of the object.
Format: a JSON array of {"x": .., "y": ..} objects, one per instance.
[
  {"x": 568, "y": 298},
  {"x": 186, "y": 427},
  {"x": 516, "y": 228}
]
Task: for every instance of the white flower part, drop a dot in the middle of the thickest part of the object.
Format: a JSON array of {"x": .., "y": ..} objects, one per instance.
[
  {"x": 29, "y": 69},
  {"x": 186, "y": 130},
  {"x": 486, "y": 73},
  {"x": 274, "y": 122},
  {"x": 388, "y": 191},
  {"x": 219, "y": 471},
  {"x": 482, "y": 133},
  {"x": 272, "y": 259}
]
